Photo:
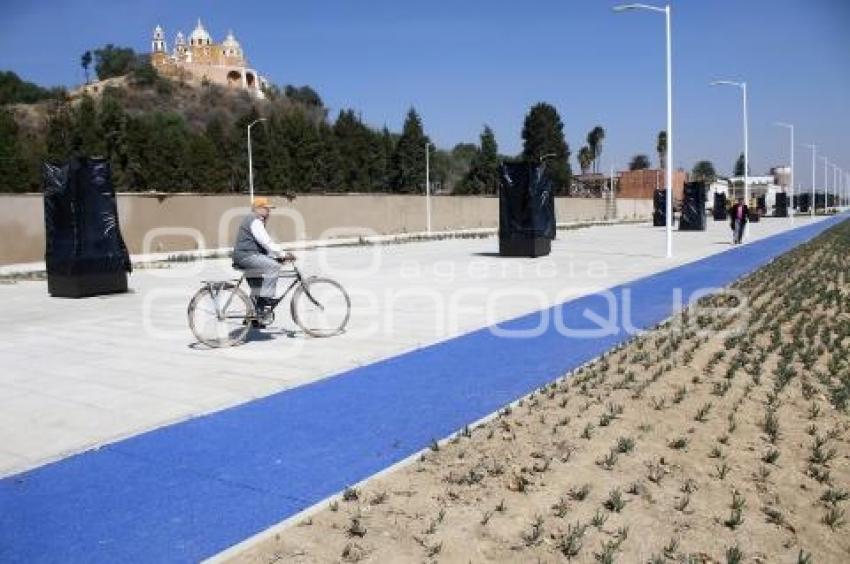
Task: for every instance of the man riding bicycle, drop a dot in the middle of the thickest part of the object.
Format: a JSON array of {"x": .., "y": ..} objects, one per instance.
[{"x": 255, "y": 253}]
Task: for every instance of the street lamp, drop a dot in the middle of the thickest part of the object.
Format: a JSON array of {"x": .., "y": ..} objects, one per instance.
[
  {"x": 743, "y": 87},
  {"x": 825, "y": 181},
  {"x": 428, "y": 187},
  {"x": 814, "y": 149},
  {"x": 835, "y": 177},
  {"x": 791, "y": 181},
  {"x": 250, "y": 161},
  {"x": 668, "y": 178}
]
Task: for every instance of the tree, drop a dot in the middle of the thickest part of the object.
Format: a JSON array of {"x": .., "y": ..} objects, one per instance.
[
  {"x": 359, "y": 161},
  {"x": 111, "y": 61},
  {"x": 144, "y": 74},
  {"x": 585, "y": 158},
  {"x": 304, "y": 95},
  {"x": 543, "y": 137},
  {"x": 87, "y": 138},
  {"x": 594, "y": 143},
  {"x": 739, "y": 166},
  {"x": 483, "y": 175},
  {"x": 227, "y": 144},
  {"x": 661, "y": 149},
  {"x": 704, "y": 171},
  {"x": 85, "y": 62},
  {"x": 157, "y": 145},
  {"x": 13, "y": 90},
  {"x": 388, "y": 145},
  {"x": 202, "y": 171},
  {"x": 639, "y": 162},
  {"x": 12, "y": 165},
  {"x": 408, "y": 162},
  {"x": 60, "y": 129}
]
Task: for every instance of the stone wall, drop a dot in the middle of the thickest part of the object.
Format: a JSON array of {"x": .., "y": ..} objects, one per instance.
[{"x": 185, "y": 222}]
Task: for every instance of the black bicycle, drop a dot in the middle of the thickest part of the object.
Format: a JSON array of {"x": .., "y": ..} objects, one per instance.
[{"x": 221, "y": 314}]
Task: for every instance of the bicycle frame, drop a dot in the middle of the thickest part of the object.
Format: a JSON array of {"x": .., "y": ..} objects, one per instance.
[{"x": 214, "y": 287}]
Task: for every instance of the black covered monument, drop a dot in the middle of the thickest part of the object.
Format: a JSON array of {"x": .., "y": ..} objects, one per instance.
[
  {"x": 85, "y": 253},
  {"x": 526, "y": 210}
]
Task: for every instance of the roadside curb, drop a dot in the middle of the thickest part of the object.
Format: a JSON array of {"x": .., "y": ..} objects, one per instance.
[{"x": 37, "y": 270}]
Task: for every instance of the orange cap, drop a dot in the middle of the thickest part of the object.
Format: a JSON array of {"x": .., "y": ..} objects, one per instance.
[{"x": 263, "y": 202}]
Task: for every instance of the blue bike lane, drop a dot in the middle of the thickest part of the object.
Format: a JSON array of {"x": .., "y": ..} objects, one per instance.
[{"x": 190, "y": 490}]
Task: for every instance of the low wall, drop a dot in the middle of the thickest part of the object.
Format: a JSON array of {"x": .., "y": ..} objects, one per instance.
[{"x": 189, "y": 221}]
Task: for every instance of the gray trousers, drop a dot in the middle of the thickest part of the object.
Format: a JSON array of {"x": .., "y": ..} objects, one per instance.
[
  {"x": 738, "y": 231},
  {"x": 262, "y": 273}
]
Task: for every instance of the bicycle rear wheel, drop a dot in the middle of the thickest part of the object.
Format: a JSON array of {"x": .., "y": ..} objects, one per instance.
[
  {"x": 321, "y": 307},
  {"x": 232, "y": 328}
]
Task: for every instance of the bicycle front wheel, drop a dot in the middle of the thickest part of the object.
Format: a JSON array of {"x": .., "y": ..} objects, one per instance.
[
  {"x": 321, "y": 307},
  {"x": 225, "y": 330}
]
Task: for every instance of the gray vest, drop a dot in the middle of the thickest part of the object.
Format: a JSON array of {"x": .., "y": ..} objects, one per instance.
[{"x": 245, "y": 244}]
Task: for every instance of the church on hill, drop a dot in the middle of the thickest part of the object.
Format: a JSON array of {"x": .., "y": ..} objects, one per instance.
[{"x": 219, "y": 63}]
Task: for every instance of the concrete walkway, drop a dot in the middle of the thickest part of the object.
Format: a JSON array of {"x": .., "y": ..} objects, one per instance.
[{"x": 82, "y": 373}]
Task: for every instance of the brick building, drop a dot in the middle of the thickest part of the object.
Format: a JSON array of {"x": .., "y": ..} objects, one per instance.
[{"x": 641, "y": 184}]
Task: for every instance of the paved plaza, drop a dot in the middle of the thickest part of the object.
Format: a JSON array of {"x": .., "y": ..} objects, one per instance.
[{"x": 82, "y": 373}]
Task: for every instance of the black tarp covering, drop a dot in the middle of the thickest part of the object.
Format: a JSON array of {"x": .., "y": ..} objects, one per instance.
[
  {"x": 803, "y": 201},
  {"x": 780, "y": 208},
  {"x": 82, "y": 233},
  {"x": 719, "y": 210},
  {"x": 659, "y": 210},
  {"x": 693, "y": 207},
  {"x": 526, "y": 208}
]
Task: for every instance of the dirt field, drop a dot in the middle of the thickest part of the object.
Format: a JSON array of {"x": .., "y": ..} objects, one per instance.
[{"x": 720, "y": 436}]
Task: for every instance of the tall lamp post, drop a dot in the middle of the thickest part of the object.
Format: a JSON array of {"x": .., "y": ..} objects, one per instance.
[
  {"x": 428, "y": 187},
  {"x": 250, "y": 161},
  {"x": 814, "y": 149},
  {"x": 835, "y": 178},
  {"x": 668, "y": 176},
  {"x": 743, "y": 87},
  {"x": 825, "y": 180},
  {"x": 791, "y": 180}
]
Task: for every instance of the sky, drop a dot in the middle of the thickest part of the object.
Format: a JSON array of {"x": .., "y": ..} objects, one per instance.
[{"x": 466, "y": 63}]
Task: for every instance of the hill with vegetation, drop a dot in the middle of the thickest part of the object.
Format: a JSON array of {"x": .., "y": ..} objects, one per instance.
[{"x": 184, "y": 135}]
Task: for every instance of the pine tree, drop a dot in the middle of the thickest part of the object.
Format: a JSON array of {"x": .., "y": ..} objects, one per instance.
[
  {"x": 543, "y": 139},
  {"x": 302, "y": 145},
  {"x": 408, "y": 162},
  {"x": 739, "y": 166},
  {"x": 355, "y": 149},
  {"x": 203, "y": 173},
  {"x": 388, "y": 144},
  {"x": 157, "y": 152},
  {"x": 483, "y": 175},
  {"x": 227, "y": 163},
  {"x": 329, "y": 162}
]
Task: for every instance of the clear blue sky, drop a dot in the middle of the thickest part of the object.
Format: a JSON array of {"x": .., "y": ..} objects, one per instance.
[{"x": 466, "y": 63}]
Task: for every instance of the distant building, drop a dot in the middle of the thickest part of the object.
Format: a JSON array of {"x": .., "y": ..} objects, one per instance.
[
  {"x": 641, "y": 184},
  {"x": 759, "y": 186},
  {"x": 219, "y": 63}
]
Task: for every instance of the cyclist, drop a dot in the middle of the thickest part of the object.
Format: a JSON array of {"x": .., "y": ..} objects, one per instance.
[{"x": 259, "y": 256}]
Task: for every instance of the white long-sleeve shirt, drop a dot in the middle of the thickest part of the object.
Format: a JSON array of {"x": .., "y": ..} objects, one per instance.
[{"x": 258, "y": 230}]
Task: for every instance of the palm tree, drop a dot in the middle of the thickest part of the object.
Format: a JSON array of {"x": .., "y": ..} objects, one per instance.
[
  {"x": 585, "y": 158},
  {"x": 594, "y": 143},
  {"x": 661, "y": 148}
]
